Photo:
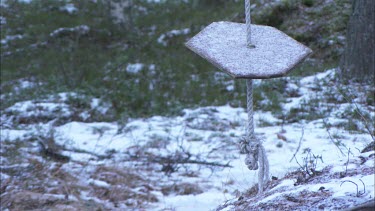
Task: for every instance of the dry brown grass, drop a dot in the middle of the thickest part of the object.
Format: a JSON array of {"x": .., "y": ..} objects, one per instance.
[{"x": 125, "y": 184}]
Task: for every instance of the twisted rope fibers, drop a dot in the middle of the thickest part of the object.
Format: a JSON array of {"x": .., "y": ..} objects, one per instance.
[
  {"x": 251, "y": 146},
  {"x": 248, "y": 22}
]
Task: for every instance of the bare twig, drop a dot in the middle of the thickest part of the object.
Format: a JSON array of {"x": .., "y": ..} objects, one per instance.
[
  {"x": 351, "y": 101},
  {"x": 359, "y": 193},
  {"x": 299, "y": 145},
  {"x": 310, "y": 163},
  {"x": 331, "y": 137},
  {"x": 304, "y": 168},
  {"x": 176, "y": 159},
  {"x": 350, "y": 182},
  {"x": 364, "y": 188},
  {"x": 347, "y": 162}
]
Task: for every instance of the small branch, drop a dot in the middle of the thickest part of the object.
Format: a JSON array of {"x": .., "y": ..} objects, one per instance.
[
  {"x": 330, "y": 136},
  {"x": 174, "y": 160},
  {"x": 364, "y": 188},
  {"x": 359, "y": 112},
  {"x": 346, "y": 166},
  {"x": 358, "y": 192},
  {"x": 177, "y": 160},
  {"x": 299, "y": 145},
  {"x": 303, "y": 168}
]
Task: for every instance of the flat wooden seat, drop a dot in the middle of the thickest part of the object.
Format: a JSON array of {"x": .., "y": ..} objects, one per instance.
[{"x": 224, "y": 45}]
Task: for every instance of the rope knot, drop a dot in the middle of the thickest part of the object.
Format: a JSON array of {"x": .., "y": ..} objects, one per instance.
[{"x": 251, "y": 149}]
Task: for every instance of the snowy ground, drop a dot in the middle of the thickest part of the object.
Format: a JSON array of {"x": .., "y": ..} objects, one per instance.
[{"x": 53, "y": 156}]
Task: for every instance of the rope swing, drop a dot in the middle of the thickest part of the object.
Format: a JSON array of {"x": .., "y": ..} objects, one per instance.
[{"x": 223, "y": 44}]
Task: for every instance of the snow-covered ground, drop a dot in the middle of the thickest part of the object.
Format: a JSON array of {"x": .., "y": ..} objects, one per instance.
[{"x": 186, "y": 162}]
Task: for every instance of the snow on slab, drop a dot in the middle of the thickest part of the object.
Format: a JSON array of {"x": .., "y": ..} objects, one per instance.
[{"x": 224, "y": 45}]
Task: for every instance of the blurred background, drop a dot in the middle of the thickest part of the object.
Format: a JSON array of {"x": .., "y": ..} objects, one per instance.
[{"x": 131, "y": 53}]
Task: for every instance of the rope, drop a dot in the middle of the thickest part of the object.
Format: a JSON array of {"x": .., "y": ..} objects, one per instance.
[
  {"x": 252, "y": 143},
  {"x": 251, "y": 146},
  {"x": 248, "y": 22},
  {"x": 250, "y": 110}
]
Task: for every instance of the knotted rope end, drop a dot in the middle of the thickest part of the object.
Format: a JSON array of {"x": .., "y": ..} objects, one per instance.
[{"x": 251, "y": 149}]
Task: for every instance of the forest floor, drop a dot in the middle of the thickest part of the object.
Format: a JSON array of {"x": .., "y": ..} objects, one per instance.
[{"x": 190, "y": 161}]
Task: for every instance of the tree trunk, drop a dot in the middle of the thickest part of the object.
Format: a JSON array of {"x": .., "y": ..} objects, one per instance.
[{"x": 358, "y": 59}]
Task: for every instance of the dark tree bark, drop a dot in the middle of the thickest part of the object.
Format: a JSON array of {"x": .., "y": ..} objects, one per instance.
[{"x": 358, "y": 59}]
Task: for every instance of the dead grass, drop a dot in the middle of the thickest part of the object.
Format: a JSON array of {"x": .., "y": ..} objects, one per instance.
[
  {"x": 126, "y": 186},
  {"x": 183, "y": 188},
  {"x": 27, "y": 200}
]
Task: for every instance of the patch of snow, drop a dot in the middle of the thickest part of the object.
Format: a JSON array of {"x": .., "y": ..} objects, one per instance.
[
  {"x": 26, "y": 84},
  {"x": 176, "y": 32},
  {"x": 152, "y": 68},
  {"x": 3, "y": 176},
  {"x": 310, "y": 80},
  {"x": 100, "y": 106},
  {"x": 30, "y": 108},
  {"x": 207, "y": 133},
  {"x": 65, "y": 96},
  {"x": 156, "y": 1},
  {"x": 96, "y": 138},
  {"x": 285, "y": 183},
  {"x": 12, "y": 134},
  {"x": 9, "y": 38},
  {"x": 134, "y": 68},
  {"x": 200, "y": 202},
  {"x": 3, "y": 20},
  {"x": 370, "y": 163},
  {"x": 348, "y": 186},
  {"x": 81, "y": 30},
  {"x": 3, "y": 3},
  {"x": 69, "y": 8},
  {"x": 230, "y": 88},
  {"x": 25, "y": 1},
  {"x": 18, "y": 86},
  {"x": 98, "y": 183}
]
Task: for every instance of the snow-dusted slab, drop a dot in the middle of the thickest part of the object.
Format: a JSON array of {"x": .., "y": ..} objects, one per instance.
[{"x": 224, "y": 45}]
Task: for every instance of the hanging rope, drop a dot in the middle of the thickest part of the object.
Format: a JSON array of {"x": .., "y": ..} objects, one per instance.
[
  {"x": 250, "y": 110},
  {"x": 251, "y": 146},
  {"x": 248, "y": 22}
]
